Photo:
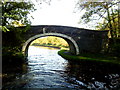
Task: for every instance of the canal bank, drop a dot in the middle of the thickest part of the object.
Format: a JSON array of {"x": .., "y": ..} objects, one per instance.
[
  {"x": 99, "y": 58},
  {"x": 46, "y": 69}
]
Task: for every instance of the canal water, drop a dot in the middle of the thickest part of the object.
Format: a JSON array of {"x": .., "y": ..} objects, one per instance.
[{"x": 46, "y": 69}]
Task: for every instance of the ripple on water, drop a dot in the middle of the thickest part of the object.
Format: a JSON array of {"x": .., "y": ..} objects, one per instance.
[{"x": 48, "y": 70}]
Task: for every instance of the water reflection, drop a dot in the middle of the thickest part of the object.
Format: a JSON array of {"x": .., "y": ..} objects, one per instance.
[
  {"x": 46, "y": 69},
  {"x": 93, "y": 75}
]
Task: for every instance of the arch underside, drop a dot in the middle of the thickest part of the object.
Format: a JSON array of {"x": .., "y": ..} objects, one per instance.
[{"x": 74, "y": 49}]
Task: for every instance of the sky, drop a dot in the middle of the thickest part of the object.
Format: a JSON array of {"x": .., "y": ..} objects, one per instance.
[{"x": 59, "y": 12}]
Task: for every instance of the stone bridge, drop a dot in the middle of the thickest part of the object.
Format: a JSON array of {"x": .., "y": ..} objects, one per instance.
[{"x": 80, "y": 40}]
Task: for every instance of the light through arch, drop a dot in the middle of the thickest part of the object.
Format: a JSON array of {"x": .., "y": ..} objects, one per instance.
[
  {"x": 74, "y": 49},
  {"x": 51, "y": 41}
]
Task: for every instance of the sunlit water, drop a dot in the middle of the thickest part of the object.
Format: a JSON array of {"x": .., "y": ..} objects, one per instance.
[{"x": 46, "y": 69}]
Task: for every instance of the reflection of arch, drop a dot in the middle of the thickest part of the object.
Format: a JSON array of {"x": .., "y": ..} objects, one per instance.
[{"x": 72, "y": 43}]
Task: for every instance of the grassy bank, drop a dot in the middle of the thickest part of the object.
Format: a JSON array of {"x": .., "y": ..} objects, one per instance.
[
  {"x": 90, "y": 57},
  {"x": 51, "y": 46},
  {"x": 50, "y": 41}
]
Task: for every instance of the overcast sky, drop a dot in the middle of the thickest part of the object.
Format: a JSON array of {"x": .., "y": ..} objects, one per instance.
[{"x": 59, "y": 12}]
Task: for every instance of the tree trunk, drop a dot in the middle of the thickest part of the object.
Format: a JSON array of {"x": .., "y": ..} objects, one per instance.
[{"x": 119, "y": 19}]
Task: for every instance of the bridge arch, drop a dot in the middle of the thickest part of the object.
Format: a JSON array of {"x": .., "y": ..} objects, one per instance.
[{"x": 74, "y": 49}]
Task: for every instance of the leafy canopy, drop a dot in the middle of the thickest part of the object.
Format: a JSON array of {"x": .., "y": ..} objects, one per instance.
[
  {"x": 15, "y": 14},
  {"x": 107, "y": 11}
]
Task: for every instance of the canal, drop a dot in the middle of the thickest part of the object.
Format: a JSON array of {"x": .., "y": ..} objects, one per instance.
[{"x": 46, "y": 69}]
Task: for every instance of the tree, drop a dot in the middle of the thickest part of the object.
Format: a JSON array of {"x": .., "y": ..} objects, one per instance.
[
  {"x": 114, "y": 23},
  {"x": 102, "y": 10},
  {"x": 109, "y": 12},
  {"x": 14, "y": 13}
]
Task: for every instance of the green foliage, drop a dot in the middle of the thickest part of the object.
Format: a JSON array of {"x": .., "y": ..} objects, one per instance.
[
  {"x": 15, "y": 14},
  {"x": 115, "y": 47},
  {"x": 116, "y": 50},
  {"x": 114, "y": 23},
  {"x": 4, "y": 29},
  {"x": 51, "y": 41},
  {"x": 89, "y": 57},
  {"x": 101, "y": 10},
  {"x": 109, "y": 13}
]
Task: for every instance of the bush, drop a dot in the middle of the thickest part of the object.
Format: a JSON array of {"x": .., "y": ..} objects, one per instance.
[{"x": 116, "y": 49}]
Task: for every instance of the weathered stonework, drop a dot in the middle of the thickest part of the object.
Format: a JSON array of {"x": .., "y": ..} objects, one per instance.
[{"x": 80, "y": 40}]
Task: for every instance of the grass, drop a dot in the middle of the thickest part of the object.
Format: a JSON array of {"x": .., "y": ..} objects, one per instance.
[
  {"x": 90, "y": 57},
  {"x": 51, "y": 41}
]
